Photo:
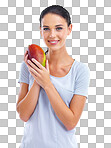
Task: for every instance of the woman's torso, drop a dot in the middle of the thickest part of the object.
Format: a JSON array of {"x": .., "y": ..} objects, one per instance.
[{"x": 44, "y": 129}]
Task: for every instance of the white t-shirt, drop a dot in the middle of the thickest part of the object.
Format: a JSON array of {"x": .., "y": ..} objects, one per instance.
[{"x": 44, "y": 129}]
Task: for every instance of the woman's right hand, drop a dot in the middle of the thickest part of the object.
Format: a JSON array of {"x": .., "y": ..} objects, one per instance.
[
  {"x": 26, "y": 57},
  {"x": 26, "y": 61}
]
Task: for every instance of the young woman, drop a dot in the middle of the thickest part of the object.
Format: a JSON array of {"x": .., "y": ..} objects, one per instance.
[{"x": 51, "y": 99}]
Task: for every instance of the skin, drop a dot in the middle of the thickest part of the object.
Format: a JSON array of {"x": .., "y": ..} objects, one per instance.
[{"x": 58, "y": 63}]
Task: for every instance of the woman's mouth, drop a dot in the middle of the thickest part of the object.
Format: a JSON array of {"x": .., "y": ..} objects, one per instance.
[{"x": 53, "y": 42}]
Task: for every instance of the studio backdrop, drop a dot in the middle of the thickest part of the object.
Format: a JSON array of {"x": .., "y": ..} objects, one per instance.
[{"x": 89, "y": 42}]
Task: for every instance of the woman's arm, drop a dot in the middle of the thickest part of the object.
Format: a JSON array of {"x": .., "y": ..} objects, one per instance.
[
  {"x": 27, "y": 100},
  {"x": 68, "y": 116}
]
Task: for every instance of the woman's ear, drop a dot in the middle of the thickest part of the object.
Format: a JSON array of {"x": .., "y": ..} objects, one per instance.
[{"x": 69, "y": 29}]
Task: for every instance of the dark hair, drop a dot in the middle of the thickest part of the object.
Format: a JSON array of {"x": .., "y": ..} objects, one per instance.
[{"x": 56, "y": 9}]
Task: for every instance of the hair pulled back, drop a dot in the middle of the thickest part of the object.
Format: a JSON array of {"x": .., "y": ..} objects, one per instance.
[{"x": 56, "y": 9}]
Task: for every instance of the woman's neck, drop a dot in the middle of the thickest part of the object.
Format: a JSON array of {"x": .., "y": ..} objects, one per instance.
[{"x": 57, "y": 57}]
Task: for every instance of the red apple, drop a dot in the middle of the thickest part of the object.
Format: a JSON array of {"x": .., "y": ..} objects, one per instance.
[{"x": 36, "y": 52}]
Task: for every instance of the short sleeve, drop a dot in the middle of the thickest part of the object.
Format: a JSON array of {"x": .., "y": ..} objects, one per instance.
[
  {"x": 82, "y": 80},
  {"x": 24, "y": 73}
]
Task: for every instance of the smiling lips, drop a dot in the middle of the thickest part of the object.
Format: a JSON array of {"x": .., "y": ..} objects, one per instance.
[{"x": 53, "y": 42}]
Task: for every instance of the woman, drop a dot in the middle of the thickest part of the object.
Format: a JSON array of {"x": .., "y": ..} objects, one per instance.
[{"x": 52, "y": 98}]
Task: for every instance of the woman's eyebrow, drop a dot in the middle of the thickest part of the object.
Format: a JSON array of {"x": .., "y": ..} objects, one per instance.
[
  {"x": 59, "y": 25},
  {"x": 45, "y": 26},
  {"x": 55, "y": 25}
]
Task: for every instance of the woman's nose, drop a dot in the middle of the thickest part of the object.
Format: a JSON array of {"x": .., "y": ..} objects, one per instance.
[{"x": 52, "y": 33}]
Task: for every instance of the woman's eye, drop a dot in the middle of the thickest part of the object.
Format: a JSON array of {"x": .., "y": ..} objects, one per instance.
[
  {"x": 59, "y": 28},
  {"x": 46, "y": 28}
]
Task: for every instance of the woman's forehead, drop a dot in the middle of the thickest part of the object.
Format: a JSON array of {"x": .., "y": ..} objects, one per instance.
[{"x": 53, "y": 19}]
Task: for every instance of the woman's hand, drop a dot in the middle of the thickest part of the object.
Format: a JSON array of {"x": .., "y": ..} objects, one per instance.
[
  {"x": 40, "y": 73},
  {"x": 26, "y": 61},
  {"x": 26, "y": 57}
]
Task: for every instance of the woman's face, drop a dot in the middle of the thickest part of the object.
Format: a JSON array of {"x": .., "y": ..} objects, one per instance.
[{"x": 54, "y": 30}]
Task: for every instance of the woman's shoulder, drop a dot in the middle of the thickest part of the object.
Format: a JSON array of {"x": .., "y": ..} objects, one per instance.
[
  {"x": 24, "y": 64},
  {"x": 24, "y": 67},
  {"x": 80, "y": 67}
]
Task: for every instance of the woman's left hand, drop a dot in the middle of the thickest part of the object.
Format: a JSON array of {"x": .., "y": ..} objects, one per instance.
[{"x": 40, "y": 73}]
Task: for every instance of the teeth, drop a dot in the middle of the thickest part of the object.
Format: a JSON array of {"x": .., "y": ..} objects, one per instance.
[{"x": 53, "y": 42}]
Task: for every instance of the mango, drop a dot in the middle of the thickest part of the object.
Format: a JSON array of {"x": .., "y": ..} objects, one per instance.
[{"x": 36, "y": 52}]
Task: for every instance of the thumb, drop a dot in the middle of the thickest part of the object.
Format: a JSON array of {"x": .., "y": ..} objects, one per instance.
[{"x": 47, "y": 65}]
